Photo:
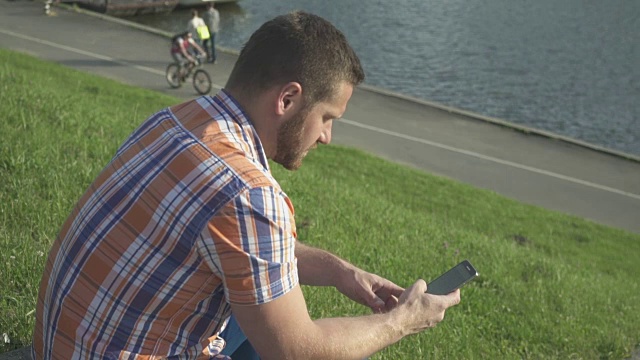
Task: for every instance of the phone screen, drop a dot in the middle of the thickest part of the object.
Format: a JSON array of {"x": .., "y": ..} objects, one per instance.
[{"x": 452, "y": 279}]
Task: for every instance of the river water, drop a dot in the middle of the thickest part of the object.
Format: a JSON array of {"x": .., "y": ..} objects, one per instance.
[{"x": 571, "y": 67}]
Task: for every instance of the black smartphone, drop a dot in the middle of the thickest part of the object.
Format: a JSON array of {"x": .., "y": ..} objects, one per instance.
[{"x": 452, "y": 279}]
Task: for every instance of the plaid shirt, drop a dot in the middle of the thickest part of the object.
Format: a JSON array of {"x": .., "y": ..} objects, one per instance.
[{"x": 185, "y": 219}]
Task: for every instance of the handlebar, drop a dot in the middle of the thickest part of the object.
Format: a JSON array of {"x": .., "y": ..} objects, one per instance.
[{"x": 198, "y": 59}]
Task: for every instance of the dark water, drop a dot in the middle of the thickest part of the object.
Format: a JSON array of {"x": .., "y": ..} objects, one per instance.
[{"x": 571, "y": 67}]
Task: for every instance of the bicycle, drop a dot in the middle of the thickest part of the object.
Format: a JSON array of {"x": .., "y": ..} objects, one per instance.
[{"x": 201, "y": 78}]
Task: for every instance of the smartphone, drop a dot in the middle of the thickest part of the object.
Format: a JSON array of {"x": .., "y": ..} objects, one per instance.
[{"x": 452, "y": 279}]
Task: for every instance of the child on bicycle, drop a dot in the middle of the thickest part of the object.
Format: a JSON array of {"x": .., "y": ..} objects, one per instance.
[{"x": 183, "y": 48}]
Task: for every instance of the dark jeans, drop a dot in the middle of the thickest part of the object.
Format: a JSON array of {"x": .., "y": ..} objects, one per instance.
[{"x": 209, "y": 46}]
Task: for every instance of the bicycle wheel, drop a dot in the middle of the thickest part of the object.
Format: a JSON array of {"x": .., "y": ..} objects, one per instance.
[
  {"x": 202, "y": 82},
  {"x": 173, "y": 76}
]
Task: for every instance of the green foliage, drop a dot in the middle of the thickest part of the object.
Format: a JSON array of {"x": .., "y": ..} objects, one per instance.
[{"x": 551, "y": 286}]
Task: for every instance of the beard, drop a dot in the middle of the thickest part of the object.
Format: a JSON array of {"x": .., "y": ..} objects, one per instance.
[{"x": 290, "y": 150}]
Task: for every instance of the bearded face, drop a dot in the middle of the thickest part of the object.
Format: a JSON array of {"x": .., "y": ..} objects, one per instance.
[
  {"x": 309, "y": 127},
  {"x": 291, "y": 148}
]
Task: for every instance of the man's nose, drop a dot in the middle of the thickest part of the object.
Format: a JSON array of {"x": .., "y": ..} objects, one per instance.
[{"x": 325, "y": 136}]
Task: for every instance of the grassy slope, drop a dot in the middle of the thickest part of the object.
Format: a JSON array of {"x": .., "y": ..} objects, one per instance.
[{"x": 551, "y": 285}]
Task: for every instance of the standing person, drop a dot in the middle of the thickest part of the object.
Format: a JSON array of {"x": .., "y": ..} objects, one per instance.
[
  {"x": 185, "y": 242},
  {"x": 212, "y": 19},
  {"x": 198, "y": 28}
]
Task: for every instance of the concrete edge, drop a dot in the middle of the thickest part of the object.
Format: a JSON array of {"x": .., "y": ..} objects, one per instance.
[
  {"x": 457, "y": 111},
  {"x": 503, "y": 123}
]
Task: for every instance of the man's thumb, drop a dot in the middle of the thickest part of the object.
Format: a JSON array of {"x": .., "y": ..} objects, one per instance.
[{"x": 420, "y": 285}]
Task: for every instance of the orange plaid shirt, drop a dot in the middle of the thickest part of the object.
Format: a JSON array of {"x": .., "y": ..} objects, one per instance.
[{"x": 185, "y": 219}]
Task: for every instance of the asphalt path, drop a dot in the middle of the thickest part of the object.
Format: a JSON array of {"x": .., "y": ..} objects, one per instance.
[{"x": 534, "y": 167}]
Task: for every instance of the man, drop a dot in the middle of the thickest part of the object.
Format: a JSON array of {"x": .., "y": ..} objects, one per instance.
[
  {"x": 211, "y": 17},
  {"x": 198, "y": 28},
  {"x": 182, "y": 53},
  {"x": 185, "y": 242}
]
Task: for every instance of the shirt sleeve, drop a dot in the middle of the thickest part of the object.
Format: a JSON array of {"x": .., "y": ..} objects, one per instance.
[{"x": 250, "y": 244}]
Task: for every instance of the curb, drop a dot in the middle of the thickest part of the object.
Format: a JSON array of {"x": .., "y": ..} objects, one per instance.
[
  {"x": 449, "y": 109},
  {"x": 504, "y": 123}
]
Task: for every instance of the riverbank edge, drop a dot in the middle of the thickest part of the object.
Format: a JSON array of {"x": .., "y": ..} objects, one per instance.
[{"x": 461, "y": 112}]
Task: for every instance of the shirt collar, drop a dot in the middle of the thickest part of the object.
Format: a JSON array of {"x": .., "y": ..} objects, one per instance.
[{"x": 233, "y": 109}]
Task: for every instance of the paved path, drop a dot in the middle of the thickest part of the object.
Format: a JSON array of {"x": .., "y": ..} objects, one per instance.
[{"x": 533, "y": 167}]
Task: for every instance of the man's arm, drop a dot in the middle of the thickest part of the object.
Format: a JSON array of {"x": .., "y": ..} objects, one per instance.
[
  {"x": 320, "y": 268},
  {"x": 183, "y": 50},
  {"x": 282, "y": 328},
  {"x": 197, "y": 47},
  {"x": 263, "y": 292},
  {"x": 317, "y": 267}
]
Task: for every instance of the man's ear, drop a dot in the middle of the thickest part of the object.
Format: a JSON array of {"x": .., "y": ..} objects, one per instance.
[{"x": 290, "y": 98}]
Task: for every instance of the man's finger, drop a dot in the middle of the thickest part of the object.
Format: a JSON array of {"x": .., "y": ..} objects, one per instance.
[
  {"x": 452, "y": 298},
  {"x": 374, "y": 301},
  {"x": 391, "y": 303},
  {"x": 389, "y": 289},
  {"x": 397, "y": 291},
  {"x": 419, "y": 285}
]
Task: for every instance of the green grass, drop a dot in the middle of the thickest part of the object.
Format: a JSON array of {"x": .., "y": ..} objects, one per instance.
[{"x": 552, "y": 286}]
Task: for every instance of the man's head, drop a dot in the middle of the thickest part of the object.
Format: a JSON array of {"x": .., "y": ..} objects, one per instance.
[
  {"x": 295, "y": 69},
  {"x": 296, "y": 47},
  {"x": 194, "y": 13}
]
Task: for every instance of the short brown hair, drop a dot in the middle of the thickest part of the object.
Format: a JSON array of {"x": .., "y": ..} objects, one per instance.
[{"x": 299, "y": 47}]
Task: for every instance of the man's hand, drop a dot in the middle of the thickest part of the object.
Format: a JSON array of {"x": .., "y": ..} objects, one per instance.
[
  {"x": 275, "y": 335},
  {"x": 368, "y": 289},
  {"x": 419, "y": 310},
  {"x": 320, "y": 268},
  {"x": 399, "y": 313}
]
